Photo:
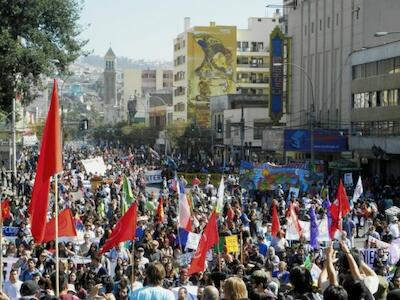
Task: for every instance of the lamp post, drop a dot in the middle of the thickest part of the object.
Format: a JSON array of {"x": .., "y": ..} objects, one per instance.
[
  {"x": 385, "y": 33},
  {"x": 166, "y": 120},
  {"x": 312, "y": 109}
]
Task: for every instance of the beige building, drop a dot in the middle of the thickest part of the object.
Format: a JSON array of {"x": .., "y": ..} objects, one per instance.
[{"x": 139, "y": 83}]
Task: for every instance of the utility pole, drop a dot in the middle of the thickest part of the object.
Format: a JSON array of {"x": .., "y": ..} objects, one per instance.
[
  {"x": 14, "y": 140},
  {"x": 242, "y": 134}
]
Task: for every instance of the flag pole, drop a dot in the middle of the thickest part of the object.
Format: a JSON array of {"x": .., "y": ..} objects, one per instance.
[
  {"x": 1, "y": 250},
  {"x": 56, "y": 233}
]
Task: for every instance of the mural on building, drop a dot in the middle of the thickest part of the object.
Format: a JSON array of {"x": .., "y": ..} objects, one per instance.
[{"x": 211, "y": 68}]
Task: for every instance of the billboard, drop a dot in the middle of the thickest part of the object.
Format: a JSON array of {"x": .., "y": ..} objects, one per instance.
[
  {"x": 299, "y": 140},
  {"x": 211, "y": 62},
  {"x": 272, "y": 139},
  {"x": 276, "y": 66}
]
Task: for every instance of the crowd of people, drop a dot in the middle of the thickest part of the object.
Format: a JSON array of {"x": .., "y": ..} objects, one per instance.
[{"x": 156, "y": 266}]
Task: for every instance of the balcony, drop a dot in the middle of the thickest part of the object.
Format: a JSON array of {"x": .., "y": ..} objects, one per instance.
[{"x": 249, "y": 52}]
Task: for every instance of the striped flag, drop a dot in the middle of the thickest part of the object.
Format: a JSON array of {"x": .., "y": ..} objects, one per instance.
[{"x": 184, "y": 208}]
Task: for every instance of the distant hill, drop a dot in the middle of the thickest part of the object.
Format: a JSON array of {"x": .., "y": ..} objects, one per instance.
[{"x": 126, "y": 63}]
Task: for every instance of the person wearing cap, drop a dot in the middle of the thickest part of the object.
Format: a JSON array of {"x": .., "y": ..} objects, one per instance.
[
  {"x": 29, "y": 290},
  {"x": 12, "y": 286}
]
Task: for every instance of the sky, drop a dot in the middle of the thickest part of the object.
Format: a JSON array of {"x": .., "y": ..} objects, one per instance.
[{"x": 145, "y": 29}]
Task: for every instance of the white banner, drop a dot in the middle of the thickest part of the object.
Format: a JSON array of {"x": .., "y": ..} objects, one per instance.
[
  {"x": 292, "y": 235},
  {"x": 153, "y": 176},
  {"x": 193, "y": 241},
  {"x": 96, "y": 166}
]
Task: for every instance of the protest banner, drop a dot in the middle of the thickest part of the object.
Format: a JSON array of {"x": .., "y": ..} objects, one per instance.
[
  {"x": 323, "y": 232},
  {"x": 153, "y": 176},
  {"x": 369, "y": 255},
  {"x": 232, "y": 244},
  {"x": 95, "y": 166}
]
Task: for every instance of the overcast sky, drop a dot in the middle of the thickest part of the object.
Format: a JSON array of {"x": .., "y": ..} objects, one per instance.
[{"x": 145, "y": 29}]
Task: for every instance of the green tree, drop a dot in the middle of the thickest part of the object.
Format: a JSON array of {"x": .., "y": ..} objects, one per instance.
[{"x": 35, "y": 35}]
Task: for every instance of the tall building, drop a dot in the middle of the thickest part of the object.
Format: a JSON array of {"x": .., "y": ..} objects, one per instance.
[
  {"x": 253, "y": 56},
  {"x": 328, "y": 37},
  {"x": 204, "y": 66},
  {"x": 218, "y": 60}
]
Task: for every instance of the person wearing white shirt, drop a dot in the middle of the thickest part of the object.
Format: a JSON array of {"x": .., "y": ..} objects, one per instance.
[{"x": 12, "y": 286}]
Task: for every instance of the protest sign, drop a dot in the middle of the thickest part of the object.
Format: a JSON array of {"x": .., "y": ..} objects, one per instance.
[
  {"x": 95, "y": 166},
  {"x": 193, "y": 241},
  {"x": 232, "y": 244},
  {"x": 348, "y": 179},
  {"x": 153, "y": 176}
]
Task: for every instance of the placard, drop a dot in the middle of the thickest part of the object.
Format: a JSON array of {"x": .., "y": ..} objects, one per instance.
[{"x": 232, "y": 244}]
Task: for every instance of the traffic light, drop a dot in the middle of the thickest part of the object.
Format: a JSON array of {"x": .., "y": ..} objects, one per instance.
[
  {"x": 192, "y": 128},
  {"x": 84, "y": 124}
]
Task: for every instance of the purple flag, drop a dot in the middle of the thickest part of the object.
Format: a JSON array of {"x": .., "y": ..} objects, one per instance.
[
  {"x": 313, "y": 229},
  {"x": 327, "y": 206}
]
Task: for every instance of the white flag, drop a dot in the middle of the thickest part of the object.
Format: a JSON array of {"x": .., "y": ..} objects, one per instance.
[
  {"x": 220, "y": 200},
  {"x": 358, "y": 190}
]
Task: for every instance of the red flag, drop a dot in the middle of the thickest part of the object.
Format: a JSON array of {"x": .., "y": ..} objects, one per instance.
[
  {"x": 5, "y": 209},
  {"x": 208, "y": 239},
  {"x": 66, "y": 226},
  {"x": 276, "y": 225},
  {"x": 50, "y": 163},
  {"x": 339, "y": 209},
  {"x": 124, "y": 230},
  {"x": 295, "y": 219},
  {"x": 159, "y": 217}
]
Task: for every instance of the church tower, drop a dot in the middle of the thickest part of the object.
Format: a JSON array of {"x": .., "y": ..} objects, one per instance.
[{"x": 110, "y": 79}]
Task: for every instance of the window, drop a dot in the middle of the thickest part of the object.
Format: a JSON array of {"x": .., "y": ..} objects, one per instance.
[
  {"x": 245, "y": 45},
  {"x": 238, "y": 45},
  {"x": 320, "y": 24},
  {"x": 312, "y": 27},
  {"x": 228, "y": 129},
  {"x": 260, "y": 46},
  {"x": 385, "y": 66},
  {"x": 305, "y": 29},
  {"x": 370, "y": 69},
  {"x": 337, "y": 19},
  {"x": 328, "y": 22},
  {"x": 258, "y": 130},
  {"x": 397, "y": 65}
]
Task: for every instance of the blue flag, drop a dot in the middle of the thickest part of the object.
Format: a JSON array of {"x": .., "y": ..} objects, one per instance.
[
  {"x": 313, "y": 230},
  {"x": 182, "y": 237}
]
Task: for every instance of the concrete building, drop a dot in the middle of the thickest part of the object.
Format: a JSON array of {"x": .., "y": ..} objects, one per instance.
[
  {"x": 375, "y": 112},
  {"x": 204, "y": 66},
  {"x": 249, "y": 59},
  {"x": 253, "y": 56},
  {"x": 226, "y": 112},
  {"x": 325, "y": 35},
  {"x": 139, "y": 83}
]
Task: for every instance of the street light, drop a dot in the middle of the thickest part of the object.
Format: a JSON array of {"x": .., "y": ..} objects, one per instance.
[
  {"x": 312, "y": 113},
  {"x": 385, "y": 33},
  {"x": 166, "y": 118}
]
